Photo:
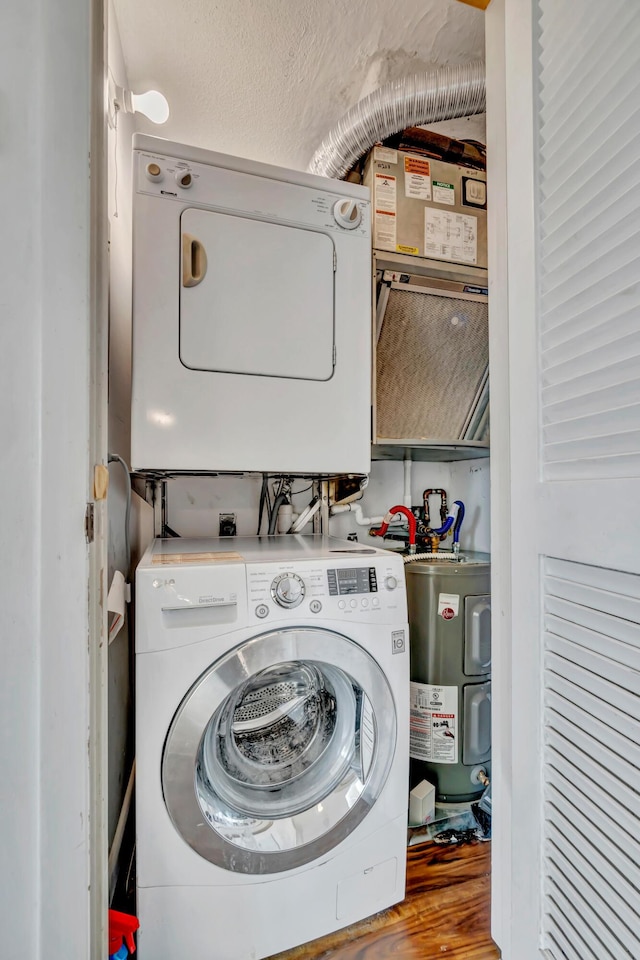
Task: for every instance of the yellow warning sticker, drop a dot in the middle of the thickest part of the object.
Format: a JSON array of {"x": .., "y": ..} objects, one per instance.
[
  {"x": 178, "y": 558},
  {"x": 402, "y": 248}
]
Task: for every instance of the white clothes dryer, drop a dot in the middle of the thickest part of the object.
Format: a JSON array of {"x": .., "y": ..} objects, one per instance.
[
  {"x": 251, "y": 316},
  {"x": 272, "y": 732}
]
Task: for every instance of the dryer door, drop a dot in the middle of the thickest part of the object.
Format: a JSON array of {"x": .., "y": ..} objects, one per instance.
[
  {"x": 275, "y": 754},
  {"x": 256, "y": 297}
]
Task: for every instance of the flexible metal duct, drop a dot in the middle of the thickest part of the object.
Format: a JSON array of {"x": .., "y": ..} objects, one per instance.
[{"x": 440, "y": 94}]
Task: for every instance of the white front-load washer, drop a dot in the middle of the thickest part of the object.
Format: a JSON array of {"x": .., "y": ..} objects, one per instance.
[{"x": 272, "y": 730}]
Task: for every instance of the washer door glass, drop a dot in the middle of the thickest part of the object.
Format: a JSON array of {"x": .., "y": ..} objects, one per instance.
[{"x": 274, "y": 756}]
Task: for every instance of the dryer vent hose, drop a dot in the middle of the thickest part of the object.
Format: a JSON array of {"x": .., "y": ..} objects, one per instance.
[{"x": 439, "y": 94}]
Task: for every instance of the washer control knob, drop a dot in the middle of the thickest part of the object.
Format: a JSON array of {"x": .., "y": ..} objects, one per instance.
[
  {"x": 288, "y": 590},
  {"x": 184, "y": 178},
  {"x": 347, "y": 214},
  {"x": 154, "y": 171},
  {"x": 390, "y": 583}
]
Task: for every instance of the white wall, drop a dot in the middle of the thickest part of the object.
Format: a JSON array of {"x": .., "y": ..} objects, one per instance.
[
  {"x": 471, "y": 483},
  {"x": 119, "y": 209},
  {"x": 45, "y": 229},
  {"x": 119, "y": 213}
]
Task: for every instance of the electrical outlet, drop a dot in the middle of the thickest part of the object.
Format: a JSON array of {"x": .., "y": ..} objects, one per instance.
[{"x": 227, "y": 524}]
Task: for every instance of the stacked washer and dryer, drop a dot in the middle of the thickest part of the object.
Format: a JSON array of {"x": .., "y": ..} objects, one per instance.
[{"x": 272, "y": 673}]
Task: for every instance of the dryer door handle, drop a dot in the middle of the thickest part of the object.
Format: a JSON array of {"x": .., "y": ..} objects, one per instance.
[{"x": 194, "y": 261}]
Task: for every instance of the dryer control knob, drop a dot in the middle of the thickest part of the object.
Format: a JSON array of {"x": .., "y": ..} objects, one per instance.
[
  {"x": 184, "y": 178},
  {"x": 390, "y": 583},
  {"x": 288, "y": 590},
  {"x": 347, "y": 214},
  {"x": 154, "y": 171}
]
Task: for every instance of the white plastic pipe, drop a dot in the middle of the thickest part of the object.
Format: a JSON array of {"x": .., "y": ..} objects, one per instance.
[
  {"x": 356, "y": 510},
  {"x": 406, "y": 498},
  {"x": 439, "y": 94}
]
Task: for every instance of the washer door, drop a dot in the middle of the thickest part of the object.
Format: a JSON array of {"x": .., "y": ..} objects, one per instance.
[{"x": 275, "y": 754}]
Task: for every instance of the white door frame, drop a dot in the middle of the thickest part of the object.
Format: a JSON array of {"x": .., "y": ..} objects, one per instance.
[
  {"x": 98, "y": 455},
  {"x": 517, "y": 843},
  {"x": 53, "y": 396}
]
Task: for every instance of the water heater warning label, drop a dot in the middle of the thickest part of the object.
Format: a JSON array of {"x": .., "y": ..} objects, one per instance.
[{"x": 434, "y": 723}]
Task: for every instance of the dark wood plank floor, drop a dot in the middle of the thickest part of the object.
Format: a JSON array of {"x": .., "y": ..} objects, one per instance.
[{"x": 446, "y": 913}]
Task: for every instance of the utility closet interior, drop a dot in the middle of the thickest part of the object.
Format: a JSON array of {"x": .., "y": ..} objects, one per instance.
[{"x": 299, "y": 446}]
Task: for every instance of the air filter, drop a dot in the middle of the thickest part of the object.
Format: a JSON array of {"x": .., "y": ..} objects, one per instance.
[{"x": 431, "y": 365}]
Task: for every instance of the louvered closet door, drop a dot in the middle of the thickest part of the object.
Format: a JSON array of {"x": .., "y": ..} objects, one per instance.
[{"x": 566, "y": 461}]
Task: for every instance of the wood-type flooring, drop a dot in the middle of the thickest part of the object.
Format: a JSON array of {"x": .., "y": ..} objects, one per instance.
[{"x": 446, "y": 913}]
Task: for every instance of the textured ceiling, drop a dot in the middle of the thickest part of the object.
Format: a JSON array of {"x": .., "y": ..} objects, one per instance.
[{"x": 267, "y": 79}]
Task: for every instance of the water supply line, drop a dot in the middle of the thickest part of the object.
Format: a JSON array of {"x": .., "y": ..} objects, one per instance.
[
  {"x": 444, "y": 511},
  {"x": 411, "y": 520},
  {"x": 454, "y": 519},
  {"x": 439, "y": 555},
  {"x": 439, "y": 94}
]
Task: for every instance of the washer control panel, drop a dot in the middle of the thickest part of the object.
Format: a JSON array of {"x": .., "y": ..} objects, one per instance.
[{"x": 370, "y": 591}]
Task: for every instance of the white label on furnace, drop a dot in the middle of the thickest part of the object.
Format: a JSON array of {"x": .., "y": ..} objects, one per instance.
[
  {"x": 417, "y": 178},
  {"x": 385, "y": 230},
  {"x": 384, "y": 217},
  {"x": 385, "y": 154},
  {"x": 448, "y": 605},
  {"x": 450, "y": 236},
  {"x": 433, "y": 732},
  {"x": 444, "y": 193},
  {"x": 385, "y": 194}
]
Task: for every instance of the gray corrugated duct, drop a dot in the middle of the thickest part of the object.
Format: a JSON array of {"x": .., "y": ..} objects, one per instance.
[{"x": 440, "y": 94}]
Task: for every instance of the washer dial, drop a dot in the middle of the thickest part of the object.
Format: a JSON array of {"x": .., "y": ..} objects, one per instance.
[{"x": 288, "y": 590}]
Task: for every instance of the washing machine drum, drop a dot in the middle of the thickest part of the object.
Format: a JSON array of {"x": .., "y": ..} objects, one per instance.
[
  {"x": 278, "y": 747},
  {"x": 283, "y": 741}
]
